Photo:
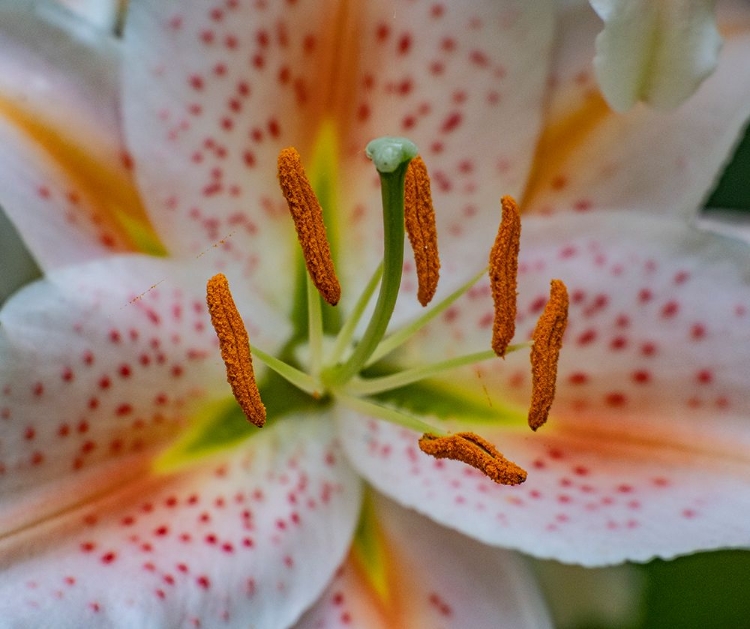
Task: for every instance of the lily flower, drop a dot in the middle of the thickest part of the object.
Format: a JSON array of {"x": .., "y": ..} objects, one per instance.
[
  {"x": 133, "y": 491},
  {"x": 233, "y": 531}
]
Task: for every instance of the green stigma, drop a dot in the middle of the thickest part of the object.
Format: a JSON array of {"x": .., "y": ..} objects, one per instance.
[{"x": 388, "y": 153}]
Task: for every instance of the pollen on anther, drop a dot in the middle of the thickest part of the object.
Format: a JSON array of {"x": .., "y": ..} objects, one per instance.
[
  {"x": 473, "y": 450},
  {"x": 504, "y": 275},
  {"x": 419, "y": 216},
  {"x": 545, "y": 353},
  {"x": 234, "y": 344},
  {"x": 307, "y": 215}
]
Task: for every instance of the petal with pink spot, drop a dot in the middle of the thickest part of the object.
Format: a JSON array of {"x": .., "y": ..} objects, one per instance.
[
  {"x": 212, "y": 92},
  {"x": 252, "y": 536},
  {"x": 656, "y": 325},
  {"x": 466, "y": 83},
  {"x": 592, "y": 499},
  {"x": 651, "y": 399},
  {"x": 101, "y": 366}
]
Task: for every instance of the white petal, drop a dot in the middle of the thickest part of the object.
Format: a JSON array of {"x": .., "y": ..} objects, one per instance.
[
  {"x": 645, "y": 453},
  {"x": 436, "y": 578},
  {"x": 101, "y": 13},
  {"x": 656, "y": 51},
  {"x": 250, "y": 538}
]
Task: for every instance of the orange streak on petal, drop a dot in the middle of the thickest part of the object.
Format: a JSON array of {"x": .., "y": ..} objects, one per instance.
[
  {"x": 341, "y": 80},
  {"x": 559, "y": 141},
  {"x": 328, "y": 94}
]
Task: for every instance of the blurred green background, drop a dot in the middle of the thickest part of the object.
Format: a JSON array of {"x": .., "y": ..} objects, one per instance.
[{"x": 733, "y": 189}]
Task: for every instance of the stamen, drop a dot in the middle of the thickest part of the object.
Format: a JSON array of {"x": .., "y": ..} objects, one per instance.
[
  {"x": 308, "y": 221},
  {"x": 419, "y": 216},
  {"x": 504, "y": 275},
  {"x": 473, "y": 450},
  {"x": 399, "y": 337},
  {"x": 545, "y": 353},
  {"x": 370, "y": 408},
  {"x": 234, "y": 344}
]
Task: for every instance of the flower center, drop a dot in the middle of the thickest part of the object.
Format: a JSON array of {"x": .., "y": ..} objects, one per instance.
[{"x": 341, "y": 367}]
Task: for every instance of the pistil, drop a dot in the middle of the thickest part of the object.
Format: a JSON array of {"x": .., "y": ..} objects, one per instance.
[{"x": 391, "y": 157}]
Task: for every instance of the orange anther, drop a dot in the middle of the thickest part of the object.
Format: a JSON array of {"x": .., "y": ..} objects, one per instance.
[
  {"x": 234, "y": 344},
  {"x": 473, "y": 450},
  {"x": 545, "y": 353},
  {"x": 504, "y": 275},
  {"x": 308, "y": 221},
  {"x": 419, "y": 216}
]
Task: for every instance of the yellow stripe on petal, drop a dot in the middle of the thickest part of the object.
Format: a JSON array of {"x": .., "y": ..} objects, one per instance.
[
  {"x": 323, "y": 172},
  {"x": 108, "y": 189},
  {"x": 371, "y": 558}
]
